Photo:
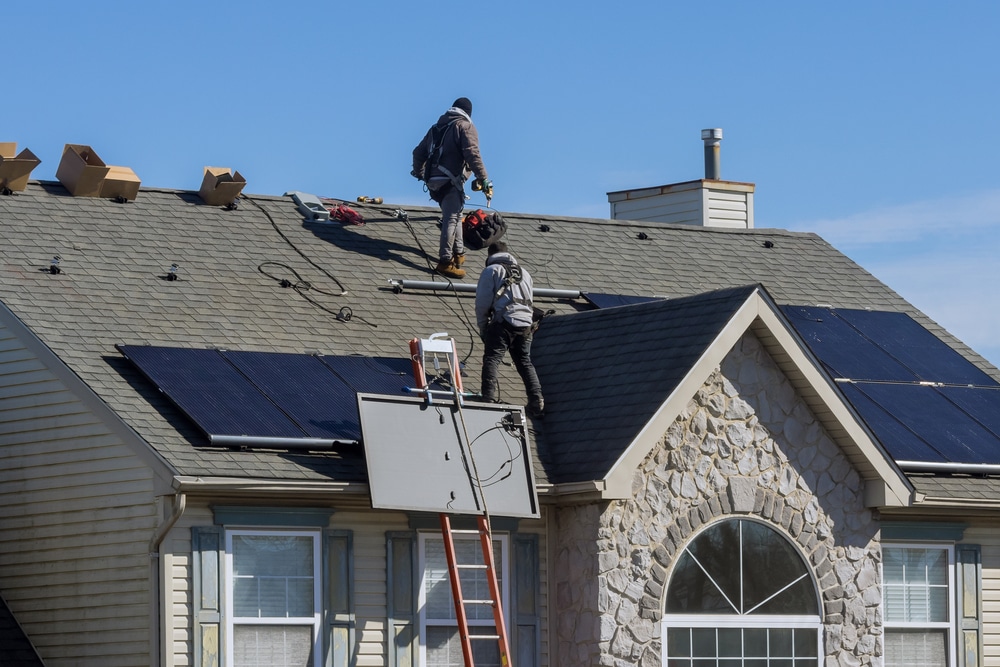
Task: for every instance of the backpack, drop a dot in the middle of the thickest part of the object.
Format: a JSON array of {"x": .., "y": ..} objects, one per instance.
[
  {"x": 480, "y": 229},
  {"x": 435, "y": 150}
]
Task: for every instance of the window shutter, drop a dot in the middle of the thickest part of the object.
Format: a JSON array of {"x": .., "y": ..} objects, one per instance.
[
  {"x": 526, "y": 591},
  {"x": 401, "y": 598},
  {"x": 970, "y": 605},
  {"x": 338, "y": 598},
  {"x": 206, "y": 565}
]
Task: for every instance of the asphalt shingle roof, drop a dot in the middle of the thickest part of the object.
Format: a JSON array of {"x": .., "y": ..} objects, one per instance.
[
  {"x": 606, "y": 372},
  {"x": 338, "y": 299}
]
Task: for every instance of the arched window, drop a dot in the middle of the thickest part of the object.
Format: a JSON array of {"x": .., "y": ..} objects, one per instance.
[{"x": 741, "y": 595}]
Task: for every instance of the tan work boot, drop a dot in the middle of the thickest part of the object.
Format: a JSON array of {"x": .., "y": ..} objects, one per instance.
[
  {"x": 459, "y": 260},
  {"x": 448, "y": 268}
]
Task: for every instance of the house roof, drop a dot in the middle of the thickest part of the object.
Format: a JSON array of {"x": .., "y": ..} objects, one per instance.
[{"x": 260, "y": 278}]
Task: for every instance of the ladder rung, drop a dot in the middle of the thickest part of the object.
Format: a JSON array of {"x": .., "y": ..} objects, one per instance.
[
  {"x": 467, "y": 531},
  {"x": 493, "y": 637},
  {"x": 470, "y": 566},
  {"x": 489, "y": 602}
]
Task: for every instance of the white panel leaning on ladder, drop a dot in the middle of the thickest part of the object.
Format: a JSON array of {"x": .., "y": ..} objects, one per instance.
[{"x": 440, "y": 345}]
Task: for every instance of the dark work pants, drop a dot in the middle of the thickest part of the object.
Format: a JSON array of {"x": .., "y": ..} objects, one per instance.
[{"x": 501, "y": 337}]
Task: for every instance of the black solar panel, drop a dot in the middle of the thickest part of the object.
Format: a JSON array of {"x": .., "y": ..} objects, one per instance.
[
  {"x": 233, "y": 394},
  {"x": 216, "y": 396},
  {"x": 304, "y": 388},
  {"x": 599, "y": 300},
  {"x": 923, "y": 400}
]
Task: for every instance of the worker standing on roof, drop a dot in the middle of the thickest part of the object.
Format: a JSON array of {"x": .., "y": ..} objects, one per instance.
[
  {"x": 504, "y": 315},
  {"x": 444, "y": 160}
]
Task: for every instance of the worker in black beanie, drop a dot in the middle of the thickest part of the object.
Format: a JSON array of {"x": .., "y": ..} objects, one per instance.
[{"x": 444, "y": 159}]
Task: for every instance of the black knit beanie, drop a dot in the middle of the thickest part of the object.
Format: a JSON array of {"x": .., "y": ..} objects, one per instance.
[{"x": 464, "y": 104}]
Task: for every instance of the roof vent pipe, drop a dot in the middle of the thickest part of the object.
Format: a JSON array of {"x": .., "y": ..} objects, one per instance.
[{"x": 713, "y": 160}]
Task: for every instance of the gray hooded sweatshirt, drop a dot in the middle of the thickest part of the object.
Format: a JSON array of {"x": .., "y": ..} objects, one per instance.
[{"x": 512, "y": 302}]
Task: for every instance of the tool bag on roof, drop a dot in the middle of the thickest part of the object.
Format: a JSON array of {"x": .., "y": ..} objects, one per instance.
[{"x": 480, "y": 229}]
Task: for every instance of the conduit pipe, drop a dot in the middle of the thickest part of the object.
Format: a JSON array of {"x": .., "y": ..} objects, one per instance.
[
  {"x": 963, "y": 468},
  {"x": 398, "y": 285}
]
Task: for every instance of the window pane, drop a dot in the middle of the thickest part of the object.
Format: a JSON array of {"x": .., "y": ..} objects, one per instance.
[
  {"x": 717, "y": 549},
  {"x": 703, "y": 642},
  {"x": 444, "y": 648},
  {"x": 915, "y": 585},
  {"x": 805, "y": 643},
  {"x": 755, "y": 642},
  {"x": 771, "y": 566},
  {"x": 272, "y": 646},
  {"x": 437, "y": 585},
  {"x": 780, "y": 642},
  {"x": 730, "y": 642},
  {"x": 914, "y": 648},
  {"x": 679, "y": 642},
  {"x": 273, "y": 576}
]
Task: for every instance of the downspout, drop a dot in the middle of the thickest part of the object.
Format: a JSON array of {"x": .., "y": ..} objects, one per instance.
[{"x": 157, "y": 574}]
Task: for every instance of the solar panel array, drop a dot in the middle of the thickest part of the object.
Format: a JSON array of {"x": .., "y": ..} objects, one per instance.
[
  {"x": 270, "y": 394},
  {"x": 922, "y": 399}
]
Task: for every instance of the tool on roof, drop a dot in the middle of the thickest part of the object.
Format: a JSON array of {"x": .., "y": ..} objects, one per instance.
[
  {"x": 369, "y": 200},
  {"x": 344, "y": 213}
]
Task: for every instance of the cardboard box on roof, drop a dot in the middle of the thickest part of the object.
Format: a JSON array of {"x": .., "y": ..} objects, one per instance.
[
  {"x": 82, "y": 171},
  {"x": 15, "y": 168},
  {"x": 120, "y": 182},
  {"x": 219, "y": 187}
]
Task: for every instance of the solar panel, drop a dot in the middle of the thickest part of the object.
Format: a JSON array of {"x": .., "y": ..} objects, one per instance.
[
  {"x": 599, "y": 300},
  {"x": 922, "y": 399},
  {"x": 303, "y": 387},
  {"x": 881, "y": 346},
  {"x": 245, "y": 397},
  {"x": 211, "y": 392}
]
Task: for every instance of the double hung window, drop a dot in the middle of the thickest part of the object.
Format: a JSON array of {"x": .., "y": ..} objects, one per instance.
[
  {"x": 918, "y": 600},
  {"x": 274, "y": 597},
  {"x": 439, "y": 641}
]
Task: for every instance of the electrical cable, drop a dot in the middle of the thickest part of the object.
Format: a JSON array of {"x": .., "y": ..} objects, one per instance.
[
  {"x": 344, "y": 314},
  {"x": 343, "y": 290}
]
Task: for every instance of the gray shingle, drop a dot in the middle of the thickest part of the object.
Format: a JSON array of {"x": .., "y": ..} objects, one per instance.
[{"x": 112, "y": 291}]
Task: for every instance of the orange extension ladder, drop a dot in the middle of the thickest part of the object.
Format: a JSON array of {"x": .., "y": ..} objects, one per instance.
[
  {"x": 419, "y": 349},
  {"x": 486, "y": 539}
]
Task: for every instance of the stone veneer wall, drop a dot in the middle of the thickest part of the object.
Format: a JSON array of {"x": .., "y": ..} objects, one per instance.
[{"x": 745, "y": 446}]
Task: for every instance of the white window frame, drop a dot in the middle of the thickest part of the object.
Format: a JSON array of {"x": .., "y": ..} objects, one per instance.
[
  {"x": 950, "y": 625},
  {"x": 812, "y": 622},
  {"x": 423, "y": 539},
  {"x": 314, "y": 621}
]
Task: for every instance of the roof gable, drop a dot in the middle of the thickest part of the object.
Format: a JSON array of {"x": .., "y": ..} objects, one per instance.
[{"x": 617, "y": 393}]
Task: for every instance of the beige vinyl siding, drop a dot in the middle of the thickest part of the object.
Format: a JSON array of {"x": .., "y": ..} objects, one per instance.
[
  {"x": 369, "y": 534},
  {"x": 988, "y": 537},
  {"x": 76, "y": 515}
]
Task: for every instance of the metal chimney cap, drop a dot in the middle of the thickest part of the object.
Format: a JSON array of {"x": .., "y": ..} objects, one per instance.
[{"x": 713, "y": 134}]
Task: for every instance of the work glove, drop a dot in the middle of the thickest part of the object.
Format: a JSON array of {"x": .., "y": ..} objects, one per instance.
[{"x": 419, "y": 175}]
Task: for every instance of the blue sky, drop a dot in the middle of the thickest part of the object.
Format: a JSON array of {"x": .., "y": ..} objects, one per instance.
[{"x": 870, "y": 123}]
